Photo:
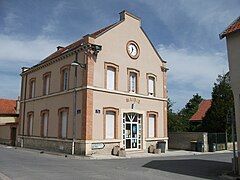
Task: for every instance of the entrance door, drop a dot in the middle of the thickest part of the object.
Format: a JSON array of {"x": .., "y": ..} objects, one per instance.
[{"x": 132, "y": 130}]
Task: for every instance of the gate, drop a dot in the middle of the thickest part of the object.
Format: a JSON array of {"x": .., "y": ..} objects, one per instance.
[{"x": 220, "y": 139}]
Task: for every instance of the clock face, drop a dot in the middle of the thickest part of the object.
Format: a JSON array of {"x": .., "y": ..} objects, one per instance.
[{"x": 133, "y": 49}]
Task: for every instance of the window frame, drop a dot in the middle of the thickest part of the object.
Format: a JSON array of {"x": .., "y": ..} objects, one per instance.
[
  {"x": 67, "y": 68},
  {"x": 43, "y": 112},
  {"x": 129, "y": 71},
  {"x": 63, "y": 109},
  {"x": 45, "y": 76},
  {"x": 155, "y": 114},
  {"x": 108, "y": 65},
  {"x": 31, "y": 93},
  {"x": 116, "y": 122}
]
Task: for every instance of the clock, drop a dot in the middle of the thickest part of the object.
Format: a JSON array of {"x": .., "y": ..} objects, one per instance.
[{"x": 133, "y": 49}]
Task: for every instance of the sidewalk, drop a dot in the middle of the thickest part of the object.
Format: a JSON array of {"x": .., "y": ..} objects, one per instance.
[{"x": 145, "y": 154}]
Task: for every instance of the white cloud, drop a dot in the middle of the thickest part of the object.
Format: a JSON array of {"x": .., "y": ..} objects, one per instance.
[
  {"x": 191, "y": 72},
  {"x": 11, "y": 22},
  {"x": 25, "y": 50}
]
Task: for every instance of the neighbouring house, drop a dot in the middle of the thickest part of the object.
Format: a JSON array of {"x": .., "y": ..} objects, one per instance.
[
  {"x": 232, "y": 34},
  {"x": 107, "y": 89},
  {"x": 9, "y": 114},
  {"x": 201, "y": 112}
]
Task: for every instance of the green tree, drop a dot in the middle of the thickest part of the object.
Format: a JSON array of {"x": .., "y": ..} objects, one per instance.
[
  {"x": 222, "y": 101},
  {"x": 179, "y": 122}
]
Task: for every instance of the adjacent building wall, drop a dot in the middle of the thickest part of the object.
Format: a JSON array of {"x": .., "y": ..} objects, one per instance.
[{"x": 182, "y": 140}]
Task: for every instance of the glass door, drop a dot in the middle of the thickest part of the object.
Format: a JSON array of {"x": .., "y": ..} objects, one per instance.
[{"x": 131, "y": 131}]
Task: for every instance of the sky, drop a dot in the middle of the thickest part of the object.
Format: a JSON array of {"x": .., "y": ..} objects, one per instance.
[{"x": 184, "y": 32}]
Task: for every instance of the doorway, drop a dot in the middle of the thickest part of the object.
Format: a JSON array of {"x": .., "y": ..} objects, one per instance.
[
  {"x": 132, "y": 129},
  {"x": 13, "y": 136}
]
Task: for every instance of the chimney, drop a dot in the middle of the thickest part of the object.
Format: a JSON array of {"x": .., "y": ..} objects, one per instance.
[
  {"x": 125, "y": 15},
  {"x": 59, "y": 47}
]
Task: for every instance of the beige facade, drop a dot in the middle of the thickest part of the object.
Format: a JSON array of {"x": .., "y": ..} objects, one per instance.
[
  {"x": 232, "y": 35},
  {"x": 116, "y": 103}
]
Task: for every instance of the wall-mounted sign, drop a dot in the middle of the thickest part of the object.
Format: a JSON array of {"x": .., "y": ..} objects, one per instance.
[
  {"x": 133, "y": 100},
  {"x": 98, "y": 146}
]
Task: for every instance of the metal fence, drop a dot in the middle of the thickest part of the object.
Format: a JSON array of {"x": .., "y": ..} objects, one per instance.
[{"x": 220, "y": 139}]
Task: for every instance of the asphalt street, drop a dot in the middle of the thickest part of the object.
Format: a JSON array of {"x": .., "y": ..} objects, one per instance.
[{"x": 22, "y": 164}]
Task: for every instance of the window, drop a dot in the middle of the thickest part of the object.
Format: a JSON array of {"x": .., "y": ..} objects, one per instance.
[
  {"x": 65, "y": 78},
  {"x": 133, "y": 82},
  {"x": 44, "y": 124},
  {"x": 46, "y": 83},
  {"x": 151, "y": 86},
  {"x": 32, "y": 84},
  {"x": 30, "y": 124},
  {"x": 151, "y": 125},
  {"x": 111, "y": 75},
  {"x": 110, "y": 123},
  {"x": 63, "y": 120}
]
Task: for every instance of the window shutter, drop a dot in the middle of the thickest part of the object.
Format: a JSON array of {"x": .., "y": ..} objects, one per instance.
[
  {"x": 151, "y": 86},
  {"x": 110, "y": 125},
  {"x": 45, "y": 124},
  {"x": 30, "y": 124},
  {"x": 151, "y": 126},
  {"x": 64, "y": 124},
  {"x": 47, "y": 81},
  {"x": 111, "y": 73}
]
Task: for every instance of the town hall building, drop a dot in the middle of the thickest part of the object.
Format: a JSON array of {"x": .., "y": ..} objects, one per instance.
[{"x": 107, "y": 89}]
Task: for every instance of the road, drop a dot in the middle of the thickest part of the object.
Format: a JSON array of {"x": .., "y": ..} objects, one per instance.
[{"x": 21, "y": 164}]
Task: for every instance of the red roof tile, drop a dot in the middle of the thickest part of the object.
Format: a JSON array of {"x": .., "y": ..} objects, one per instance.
[
  {"x": 233, "y": 27},
  {"x": 7, "y": 106},
  {"x": 202, "y": 109}
]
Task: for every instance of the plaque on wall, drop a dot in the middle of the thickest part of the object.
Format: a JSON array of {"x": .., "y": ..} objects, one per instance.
[{"x": 98, "y": 146}]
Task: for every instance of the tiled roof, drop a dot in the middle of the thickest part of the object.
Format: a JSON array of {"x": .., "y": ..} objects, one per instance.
[
  {"x": 202, "y": 109},
  {"x": 233, "y": 27},
  {"x": 7, "y": 106},
  {"x": 76, "y": 44}
]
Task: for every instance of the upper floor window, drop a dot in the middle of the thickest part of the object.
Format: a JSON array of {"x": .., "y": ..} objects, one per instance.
[
  {"x": 32, "y": 87},
  {"x": 65, "y": 78},
  {"x": 44, "y": 123},
  {"x": 133, "y": 84},
  {"x": 151, "y": 86},
  {"x": 63, "y": 121},
  {"x": 46, "y": 83},
  {"x": 30, "y": 124},
  {"x": 111, "y": 76}
]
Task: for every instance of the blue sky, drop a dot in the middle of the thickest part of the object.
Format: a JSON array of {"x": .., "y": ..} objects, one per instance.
[{"x": 185, "y": 33}]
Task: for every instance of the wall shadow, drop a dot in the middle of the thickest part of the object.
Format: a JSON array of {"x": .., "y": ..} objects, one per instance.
[{"x": 191, "y": 167}]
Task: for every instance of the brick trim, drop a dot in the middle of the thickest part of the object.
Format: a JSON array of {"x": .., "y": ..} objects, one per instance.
[
  {"x": 66, "y": 67},
  {"x": 31, "y": 81},
  {"x": 116, "y": 121},
  {"x": 114, "y": 66},
  {"x": 155, "y": 123},
  {"x": 45, "y": 111},
  {"x": 29, "y": 114},
  {"x": 63, "y": 109},
  {"x": 44, "y": 77},
  {"x": 129, "y": 71}
]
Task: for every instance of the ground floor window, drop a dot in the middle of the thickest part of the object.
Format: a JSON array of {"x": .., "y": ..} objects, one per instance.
[
  {"x": 63, "y": 121},
  {"x": 30, "y": 124},
  {"x": 110, "y": 123},
  {"x": 44, "y": 123},
  {"x": 152, "y": 124}
]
